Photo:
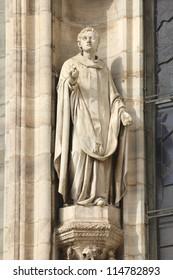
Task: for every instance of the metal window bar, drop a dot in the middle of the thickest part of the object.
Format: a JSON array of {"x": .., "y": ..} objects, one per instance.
[
  {"x": 165, "y": 246},
  {"x": 159, "y": 213},
  {"x": 158, "y": 99}
]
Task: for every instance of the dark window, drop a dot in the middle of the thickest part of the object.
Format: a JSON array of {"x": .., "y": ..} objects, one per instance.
[{"x": 158, "y": 29}]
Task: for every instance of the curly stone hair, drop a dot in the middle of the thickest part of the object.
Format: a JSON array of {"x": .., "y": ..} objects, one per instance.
[{"x": 87, "y": 29}]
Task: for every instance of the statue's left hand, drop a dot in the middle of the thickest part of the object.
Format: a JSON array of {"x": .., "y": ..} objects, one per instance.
[{"x": 126, "y": 118}]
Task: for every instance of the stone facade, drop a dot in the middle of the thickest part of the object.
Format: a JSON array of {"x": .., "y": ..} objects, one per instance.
[
  {"x": 27, "y": 190},
  {"x": 2, "y": 119},
  {"x": 37, "y": 35}
]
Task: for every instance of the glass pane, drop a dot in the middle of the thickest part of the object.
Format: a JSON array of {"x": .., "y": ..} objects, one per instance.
[
  {"x": 164, "y": 177},
  {"x": 164, "y": 145},
  {"x": 164, "y": 124},
  {"x": 164, "y": 47},
  {"x": 166, "y": 253},
  {"x": 160, "y": 88},
  {"x": 165, "y": 237}
]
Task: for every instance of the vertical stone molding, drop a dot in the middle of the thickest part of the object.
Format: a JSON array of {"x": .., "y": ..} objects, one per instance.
[
  {"x": 134, "y": 201},
  {"x": 27, "y": 219},
  {"x": 2, "y": 119}
]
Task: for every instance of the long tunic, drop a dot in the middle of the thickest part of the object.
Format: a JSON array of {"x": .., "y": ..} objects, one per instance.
[{"x": 88, "y": 134}]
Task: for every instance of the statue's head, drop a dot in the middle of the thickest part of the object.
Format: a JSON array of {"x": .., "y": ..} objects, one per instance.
[
  {"x": 87, "y": 254},
  {"x": 88, "y": 32}
]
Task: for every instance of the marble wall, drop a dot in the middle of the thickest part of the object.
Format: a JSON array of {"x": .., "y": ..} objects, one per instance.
[
  {"x": 27, "y": 196},
  {"x": 134, "y": 201},
  {"x": 2, "y": 118}
]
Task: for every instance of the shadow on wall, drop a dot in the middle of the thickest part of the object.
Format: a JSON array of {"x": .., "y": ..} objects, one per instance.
[
  {"x": 132, "y": 204},
  {"x": 70, "y": 17}
]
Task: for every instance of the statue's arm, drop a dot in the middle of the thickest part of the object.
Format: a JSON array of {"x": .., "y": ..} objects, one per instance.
[
  {"x": 125, "y": 117},
  {"x": 69, "y": 75},
  {"x": 73, "y": 76}
]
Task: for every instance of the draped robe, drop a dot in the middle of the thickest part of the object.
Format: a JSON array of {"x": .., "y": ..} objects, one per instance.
[{"x": 90, "y": 146}]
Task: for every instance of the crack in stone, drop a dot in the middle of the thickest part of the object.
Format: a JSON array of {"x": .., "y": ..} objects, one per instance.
[
  {"x": 162, "y": 22},
  {"x": 164, "y": 62}
]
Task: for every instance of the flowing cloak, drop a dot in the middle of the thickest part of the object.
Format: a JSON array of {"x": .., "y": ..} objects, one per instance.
[{"x": 90, "y": 112}]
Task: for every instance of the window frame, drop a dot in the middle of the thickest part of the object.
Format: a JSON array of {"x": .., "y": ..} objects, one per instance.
[{"x": 151, "y": 100}]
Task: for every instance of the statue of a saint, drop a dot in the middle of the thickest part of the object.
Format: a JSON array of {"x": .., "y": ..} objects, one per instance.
[{"x": 90, "y": 145}]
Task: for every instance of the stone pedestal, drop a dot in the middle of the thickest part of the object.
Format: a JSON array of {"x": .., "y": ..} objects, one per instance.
[{"x": 89, "y": 232}]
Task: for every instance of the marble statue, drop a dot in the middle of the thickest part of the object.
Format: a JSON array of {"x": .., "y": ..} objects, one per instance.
[
  {"x": 71, "y": 253},
  {"x": 87, "y": 254},
  {"x": 90, "y": 147}
]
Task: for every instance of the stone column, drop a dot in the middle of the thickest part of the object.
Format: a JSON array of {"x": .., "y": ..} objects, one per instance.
[
  {"x": 134, "y": 200},
  {"x": 2, "y": 119},
  {"x": 27, "y": 218}
]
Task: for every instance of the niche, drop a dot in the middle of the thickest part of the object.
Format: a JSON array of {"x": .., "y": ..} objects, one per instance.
[{"x": 70, "y": 17}]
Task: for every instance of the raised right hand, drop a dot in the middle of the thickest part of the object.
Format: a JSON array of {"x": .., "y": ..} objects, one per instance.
[{"x": 73, "y": 76}]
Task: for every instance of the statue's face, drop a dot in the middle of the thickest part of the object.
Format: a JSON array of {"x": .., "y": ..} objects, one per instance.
[
  {"x": 87, "y": 255},
  {"x": 89, "y": 42}
]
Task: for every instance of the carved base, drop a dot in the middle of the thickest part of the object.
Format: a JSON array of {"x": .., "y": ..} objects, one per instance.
[{"x": 89, "y": 232}]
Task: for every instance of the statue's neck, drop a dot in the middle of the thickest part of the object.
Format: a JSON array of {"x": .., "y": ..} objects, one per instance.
[{"x": 89, "y": 55}]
